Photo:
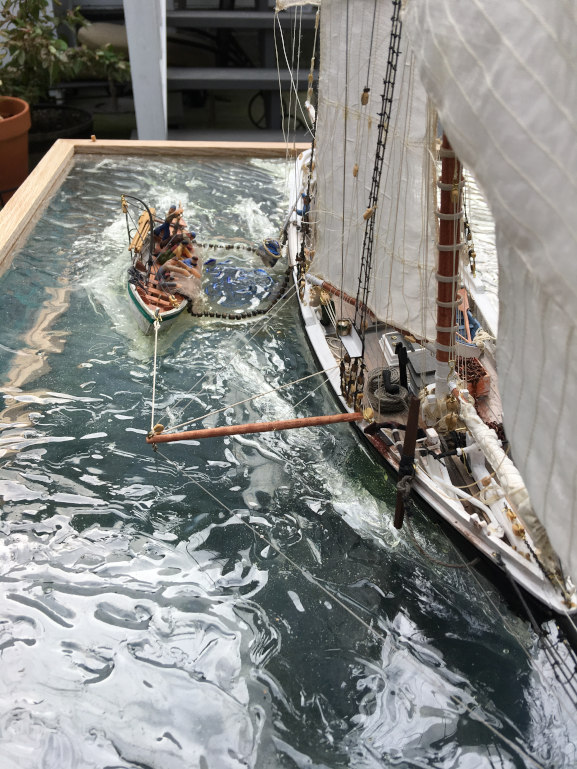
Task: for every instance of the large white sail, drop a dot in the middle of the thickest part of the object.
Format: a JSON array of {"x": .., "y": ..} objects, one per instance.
[
  {"x": 403, "y": 256},
  {"x": 503, "y": 76}
]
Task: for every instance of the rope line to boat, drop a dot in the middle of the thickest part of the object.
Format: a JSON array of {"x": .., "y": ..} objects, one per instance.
[
  {"x": 257, "y": 329},
  {"x": 156, "y": 327},
  {"x": 252, "y": 398},
  {"x": 304, "y": 572},
  {"x": 311, "y": 392}
]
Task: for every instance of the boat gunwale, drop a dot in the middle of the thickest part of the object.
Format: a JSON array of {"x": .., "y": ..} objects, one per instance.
[{"x": 145, "y": 310}]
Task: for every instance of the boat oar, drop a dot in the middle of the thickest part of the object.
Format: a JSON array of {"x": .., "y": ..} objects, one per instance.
[
  {"x": 406, "y": 465},
  {"x": 254, "y": 427}
]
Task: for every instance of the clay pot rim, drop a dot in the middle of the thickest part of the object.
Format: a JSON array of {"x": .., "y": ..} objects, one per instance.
[
  {"x": 17, "y": 123},
  {"x": 18, "y": 106}
]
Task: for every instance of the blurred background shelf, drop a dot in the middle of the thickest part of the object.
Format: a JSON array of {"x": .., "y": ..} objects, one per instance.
[{"x": 220, "y": 74}]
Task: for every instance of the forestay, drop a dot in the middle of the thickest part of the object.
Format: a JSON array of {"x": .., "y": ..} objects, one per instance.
[{"x": 503, "y": 76}]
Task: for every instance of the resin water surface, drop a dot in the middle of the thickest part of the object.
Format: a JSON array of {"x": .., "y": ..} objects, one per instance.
[{"x": 240, "y": 602}]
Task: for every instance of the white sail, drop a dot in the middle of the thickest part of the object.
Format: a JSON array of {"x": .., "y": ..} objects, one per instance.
[
  {"x": 404, "y": 260},
  {"x": 503, "y": 77}
]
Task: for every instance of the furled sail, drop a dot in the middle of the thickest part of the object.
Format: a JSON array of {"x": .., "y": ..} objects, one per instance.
[
  {"x": 282, "y": 5},
  {"x": 503, "y": 77},
  {"x": 403, "y": 253}
]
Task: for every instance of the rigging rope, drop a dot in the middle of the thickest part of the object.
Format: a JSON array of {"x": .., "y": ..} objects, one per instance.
[
  {"x": 156, "y": 327},
  {"x": 373, "y": 27},
  {"x": 244, "y": 340},
  {"x": 253, "y": 397},
  {"x": 304, "y": 572},
  {"x": 382, "y": 135},
  {"x": 293, "y": 84}
]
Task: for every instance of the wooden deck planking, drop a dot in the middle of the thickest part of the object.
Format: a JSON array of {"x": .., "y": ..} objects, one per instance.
[{"x": 489, "y": 407}]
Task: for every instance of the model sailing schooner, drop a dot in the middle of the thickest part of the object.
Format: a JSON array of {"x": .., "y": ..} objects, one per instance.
[
  {"x": 374, "y": 294},
  {"x": 376, "y": 244}
]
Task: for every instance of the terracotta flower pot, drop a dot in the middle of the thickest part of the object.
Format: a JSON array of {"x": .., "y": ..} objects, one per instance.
[{"x": 14, "y": 126}]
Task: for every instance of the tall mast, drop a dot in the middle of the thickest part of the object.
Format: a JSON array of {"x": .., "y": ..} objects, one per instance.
[{"x": 450, "y": 214}]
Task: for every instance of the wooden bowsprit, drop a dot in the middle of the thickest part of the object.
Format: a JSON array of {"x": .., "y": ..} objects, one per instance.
[{"x": 252, "y": 427}]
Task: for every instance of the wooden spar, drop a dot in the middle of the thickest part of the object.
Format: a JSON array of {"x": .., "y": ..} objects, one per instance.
[
  {"x": 449, "y": 242},
  {"x": 345, "y": 297},
  {"x": 406, "y": 466},
  {"x": 142, "y": 231},
  {"x": 255, "y": 427}
]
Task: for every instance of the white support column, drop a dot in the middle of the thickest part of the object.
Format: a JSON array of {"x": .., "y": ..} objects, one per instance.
[{"x": 146, "y": 31}]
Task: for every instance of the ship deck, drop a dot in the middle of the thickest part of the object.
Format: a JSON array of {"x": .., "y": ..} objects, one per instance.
[{"x": 488, "y": 405}]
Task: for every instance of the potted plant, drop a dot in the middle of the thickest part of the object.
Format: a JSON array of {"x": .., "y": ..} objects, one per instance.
[
  {"x": 14, "y": 126},
  {"x": 35, "y": 57}
]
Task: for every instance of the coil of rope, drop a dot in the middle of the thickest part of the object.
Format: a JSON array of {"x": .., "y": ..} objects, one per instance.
[{"x": 381, "y": 400}]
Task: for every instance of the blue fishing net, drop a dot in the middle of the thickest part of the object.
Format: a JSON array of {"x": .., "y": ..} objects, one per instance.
[{"x": 233, "y": 286}]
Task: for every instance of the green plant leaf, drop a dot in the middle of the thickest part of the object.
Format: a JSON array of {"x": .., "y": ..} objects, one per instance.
[{"x": 34, "y": 58}]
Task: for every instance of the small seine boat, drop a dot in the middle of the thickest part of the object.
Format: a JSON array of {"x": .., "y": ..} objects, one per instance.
[{"x": 161, "y": 250}]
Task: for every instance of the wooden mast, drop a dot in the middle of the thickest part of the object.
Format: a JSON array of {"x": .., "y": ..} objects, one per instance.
[{"x": 450, "y": 214}]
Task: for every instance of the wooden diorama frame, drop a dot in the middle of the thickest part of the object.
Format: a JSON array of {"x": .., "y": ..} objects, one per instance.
[{"x": 22, "y": 211}]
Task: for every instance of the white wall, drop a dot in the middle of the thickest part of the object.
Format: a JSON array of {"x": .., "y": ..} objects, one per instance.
[{"x": 146, "y": 31}]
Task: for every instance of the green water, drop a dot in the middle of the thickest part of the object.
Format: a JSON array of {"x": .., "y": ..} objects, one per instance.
[{"x": 148, "y": 618}]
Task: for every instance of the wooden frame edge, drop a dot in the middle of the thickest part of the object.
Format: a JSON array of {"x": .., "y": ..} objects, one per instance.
[
  {"x": 21, "y": 212},
  {"x": 188, "y": 148},
  {"x": 19, "y": 215}
]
